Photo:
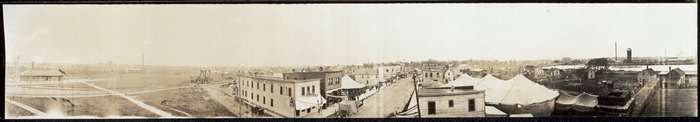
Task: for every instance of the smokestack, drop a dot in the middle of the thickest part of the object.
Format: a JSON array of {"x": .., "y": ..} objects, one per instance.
[
  {"x": 615, "y": 50},
  {"x": 629, "y": 55}
]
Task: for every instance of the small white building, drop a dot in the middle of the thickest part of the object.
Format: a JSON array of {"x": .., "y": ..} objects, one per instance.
[
  {"x": 42, "y": 75},
  {"x": 451, "y": 102}
]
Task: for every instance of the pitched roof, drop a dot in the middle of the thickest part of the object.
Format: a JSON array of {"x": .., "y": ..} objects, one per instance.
[
  {"x": 42, "y": 72},
  {"x": 348, "y": 83},
  {"x": 462, "y": 80},
  {"x": 524, "y": 91}
]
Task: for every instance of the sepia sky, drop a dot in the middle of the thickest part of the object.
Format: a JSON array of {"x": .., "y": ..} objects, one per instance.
[{"x": 328, "y": 34}]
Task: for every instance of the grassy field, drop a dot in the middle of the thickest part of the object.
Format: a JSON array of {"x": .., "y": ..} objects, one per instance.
[
  {"x": 12, "y": 110},
  {"x": 91, "y": 106},
  {"x": 194, "y": 101},
  {"x": 190, "y": 100}
]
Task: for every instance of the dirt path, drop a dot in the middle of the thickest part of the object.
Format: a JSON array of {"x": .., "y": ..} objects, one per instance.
[
  {"x": 26, "y": 107},
  {"x": 384, "y": 102},
  {"x": 75, "y": 94},
  {"x": 137, "y": 102},
  {"x": 228, "y": 101}
]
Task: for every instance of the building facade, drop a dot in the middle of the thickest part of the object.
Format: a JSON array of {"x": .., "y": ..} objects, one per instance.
[
  {"x": 42, "y": 75},
  {"x": 286, "y": 98},
  {"x": 329, "y": 80},
  {"x": 451, "y": 102}
]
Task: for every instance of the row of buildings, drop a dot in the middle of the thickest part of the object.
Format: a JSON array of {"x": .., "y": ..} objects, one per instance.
[{"x": 301, "y": 93}]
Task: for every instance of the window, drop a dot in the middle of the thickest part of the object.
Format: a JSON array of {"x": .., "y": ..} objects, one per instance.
[
  {"x": 308, "y": 90},
  {"x": 297, "y": 112},
  {"x": 272, "y": 88},
  {"x": 257, "y": 97},
  {"x": 264, "y": 86},
  {"x": 303, "y": 90},
  {"x": 431, "y": 107},
  {"x": 289, "y": 92},
  {"x": 472, "y": 106},
  {"x": 281, "y": 90},
  {"x": 272, "y": 102},
  {"x": 257, "y": 85},
  {"x": 263, "y": 99},
  {"x": 451, "y": 103},
  {"x": 313, "y": 89}
]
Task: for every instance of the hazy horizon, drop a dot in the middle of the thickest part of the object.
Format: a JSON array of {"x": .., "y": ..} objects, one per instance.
[{"x": 330, "y": 34}]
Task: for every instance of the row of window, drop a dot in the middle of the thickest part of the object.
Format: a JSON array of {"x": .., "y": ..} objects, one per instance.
[
  {"x": 256, "y": 85},
  {"x": 257, "y": 98},
  {"x": 308, "y": 90},
  {"x": 332, "y": 81},
  {"x": 471, "y": 107}
]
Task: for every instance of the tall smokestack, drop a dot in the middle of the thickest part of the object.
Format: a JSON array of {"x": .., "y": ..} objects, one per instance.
[
  {"x": 615, "y": 50},
  {"x": 629, "y": 55}
]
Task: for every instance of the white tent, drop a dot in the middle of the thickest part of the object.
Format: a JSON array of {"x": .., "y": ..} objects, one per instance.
[
  {"x": 348, "y": 83},
  {"x": 463, "y": 80},
  {"x": 495, "y": 88},
  {"x": 410, "y": 108},
  {"x": 524, "y": 91},
  {"x": 305, "y": 102},
  {"x": 493, "y": 111}
]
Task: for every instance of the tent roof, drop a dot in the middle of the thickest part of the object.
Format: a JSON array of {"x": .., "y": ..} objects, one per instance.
[
  {"x": 521, "y": 115},
  {"x": 517, "y": 90},
  {"x": 490, "y": 110},
  {"x": 587, "y": 100},
  {"x": 305, "y": 102},
  {"x": 462, "y": 80},
  {"x": 524, "y": 91},
  {"x": 348, "y": 83}
]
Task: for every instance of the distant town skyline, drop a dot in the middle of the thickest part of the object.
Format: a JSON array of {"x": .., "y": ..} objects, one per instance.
[{"x": 329, "y": 34}]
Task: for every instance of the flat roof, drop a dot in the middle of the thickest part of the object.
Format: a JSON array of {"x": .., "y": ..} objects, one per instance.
[
  {"x": 335, "y": 71},
  {"x": 432, "y": 92},
  {"x": 277, "y": 79}
]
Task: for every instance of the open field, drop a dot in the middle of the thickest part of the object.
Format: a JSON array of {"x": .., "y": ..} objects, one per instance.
[
  {"x": 92, "y": 106},
  {"x": 193, "y": 101},
  {"x": 122, "y": 94}
]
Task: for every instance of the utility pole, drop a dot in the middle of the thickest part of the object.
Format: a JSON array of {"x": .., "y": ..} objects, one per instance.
[
  {"x": 143, "y": 61},
  {"x": 415, "y": 91}
]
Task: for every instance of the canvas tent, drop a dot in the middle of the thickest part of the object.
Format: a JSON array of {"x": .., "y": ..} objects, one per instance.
[
  {"x": 305, "y": 102},
  {"x": 518, "y": 95},
  {"x": 410, "y": 109},
  {"x": 583, "y": 102},
  {"x": 461, "y": 81},
  {"x": 348, "y": 83},
  {"x": 494, "y": 112}
]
